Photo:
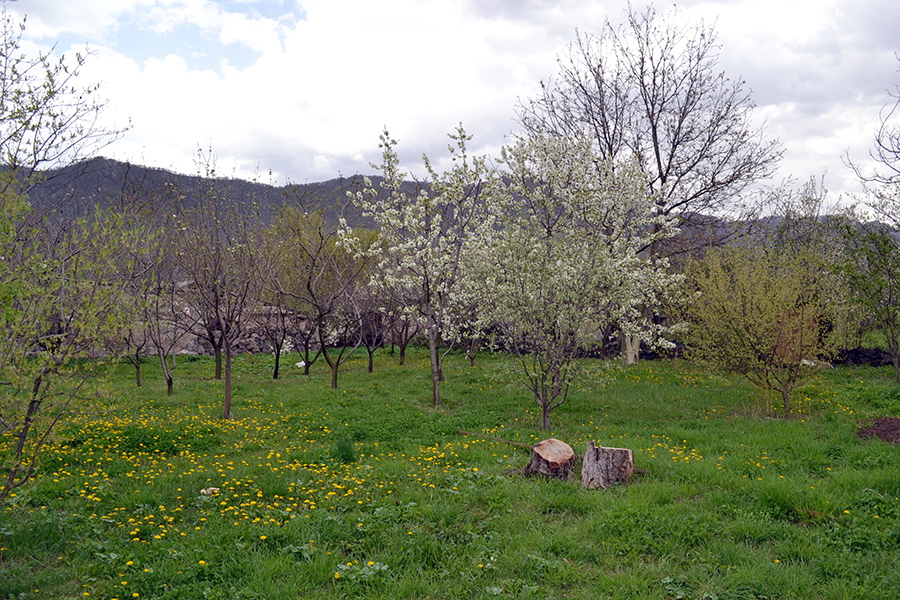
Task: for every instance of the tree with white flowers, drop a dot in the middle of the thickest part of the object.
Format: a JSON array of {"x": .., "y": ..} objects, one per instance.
[
  {"x": 426, "y": 230},
  {"x": 566, "y": 260}
]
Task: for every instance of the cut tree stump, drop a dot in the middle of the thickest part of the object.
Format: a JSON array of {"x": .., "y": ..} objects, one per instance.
[
  {"x": 603, "y": 467},
  {"x": 551, "y": 458}
]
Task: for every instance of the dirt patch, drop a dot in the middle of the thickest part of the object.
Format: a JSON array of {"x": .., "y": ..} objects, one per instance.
[{"x": 885, "y": 428}]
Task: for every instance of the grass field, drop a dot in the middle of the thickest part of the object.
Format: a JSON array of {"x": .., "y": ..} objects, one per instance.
[{"x": 369, "y": 492}]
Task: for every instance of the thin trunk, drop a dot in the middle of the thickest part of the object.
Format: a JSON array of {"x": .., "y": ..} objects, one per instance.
[
  {"x": 545, "y": 416},
  {"x": 226, "y": 413},
  {"x": 277, "y": 361},
  {"x": 137, "y": 369},
  {"x": 217, "y": 348},
  {"x": 167, "y": 372},
  {"x": 436, "y": 375},
  {"x": 786, "y": 395}
]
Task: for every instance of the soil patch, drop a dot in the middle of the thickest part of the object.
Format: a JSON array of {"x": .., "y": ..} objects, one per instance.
[{"x": 885, "y": 428}]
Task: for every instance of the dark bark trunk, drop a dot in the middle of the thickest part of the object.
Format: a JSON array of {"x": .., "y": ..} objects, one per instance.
[
  {"x": 218, "y": 352},
  {"x": 277, "y": 362},
  {"x": 226, "y": 413},
  {"x": 436, "y": 376}
]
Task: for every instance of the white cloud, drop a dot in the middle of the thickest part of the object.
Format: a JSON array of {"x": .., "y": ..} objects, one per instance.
[{"x": 305, "y": 90}]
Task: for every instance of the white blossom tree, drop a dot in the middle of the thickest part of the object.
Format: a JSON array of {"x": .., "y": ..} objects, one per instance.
[
  {"x": 567, "y": 260},
  {"x": 425, "y": 232}
]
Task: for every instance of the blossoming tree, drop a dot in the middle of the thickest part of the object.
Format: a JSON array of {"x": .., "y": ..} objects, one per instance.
[
  {"x": 425, "y": 233},
  {"x": 567, "y": 261}
]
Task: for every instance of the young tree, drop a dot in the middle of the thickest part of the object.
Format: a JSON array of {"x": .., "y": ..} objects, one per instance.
[
  {"x": 567, "y": 260},
  {"x": 424, "y": 233},
  {"x": 57, "y": 297},
  {"x": 650, "y": 91},
  {"x": 759, "y": 313},
  {"x": 217, "y": 250},
  {"x": 321, "y": 276},
  {"x": 63, "y": 297}
]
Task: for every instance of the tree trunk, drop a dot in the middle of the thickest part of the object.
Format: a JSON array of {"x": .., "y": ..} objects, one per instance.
[
  {"x": 277, "y": 362},
  {"x": 436, "y": 377},
  {"x": 630, "y": 347},
  {"x": 551, "y": 458},
  {"x": 137, "y": 370},
  {"x": 217, "y": 349},
  {"x": 603, "y": 467},
  {"x": 226, "y": 413},
  {"x": 786, "y": 395},
  {"x": 545, "y": 415},
  {"x": 167, "y": 372}
]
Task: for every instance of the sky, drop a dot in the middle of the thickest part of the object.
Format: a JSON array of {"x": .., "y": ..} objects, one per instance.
[{"x": 287, "y": 90}]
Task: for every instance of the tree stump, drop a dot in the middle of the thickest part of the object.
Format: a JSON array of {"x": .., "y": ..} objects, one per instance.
[
  {"x": 551, "y": 458},
  {"x": 603, "y": 467}
]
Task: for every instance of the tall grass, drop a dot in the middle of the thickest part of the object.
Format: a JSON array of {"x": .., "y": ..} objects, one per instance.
[{"x": 368, "y": 491}]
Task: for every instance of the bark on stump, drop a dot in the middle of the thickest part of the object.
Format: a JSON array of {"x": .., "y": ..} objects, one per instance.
[
  {"x": 551, "y": 458},
  {"x": 603, "y": 467}
]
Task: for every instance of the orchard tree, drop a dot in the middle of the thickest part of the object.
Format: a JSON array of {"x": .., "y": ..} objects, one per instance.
[
  {"x": 218, "y": 250},
  {"x": 425, "y": 233},
  {"x": 759, "y": 313},
  {"x": 650, "y": 90},
  {"x": 319, "y": 274},
  {"x": 63, "y": 295},
  {"x": 567, "y": 260},
  {"x": 59, "y": 288}
]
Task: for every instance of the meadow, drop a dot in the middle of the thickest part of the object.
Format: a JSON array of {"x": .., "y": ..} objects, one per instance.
[{"x": 369, "y": 492}]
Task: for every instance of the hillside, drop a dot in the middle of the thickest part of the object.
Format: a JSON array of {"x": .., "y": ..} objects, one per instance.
[{"x": 77, "y": 188}]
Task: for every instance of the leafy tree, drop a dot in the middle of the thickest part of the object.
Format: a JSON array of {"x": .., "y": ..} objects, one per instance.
[
  {"x": 60, "y": 286},
  {"x": 62, "y": 295},
  {"x": 567, "y": 260},
  {"x": 759, "y": 313},
  {"x": 424, "y": 233},
  {"x": 650, "y": 91}
]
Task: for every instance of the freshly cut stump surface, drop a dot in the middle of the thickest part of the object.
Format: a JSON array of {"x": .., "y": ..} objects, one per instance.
[
  {"x": 551, "y": 458},
  {"x": 602, "y": 467}
]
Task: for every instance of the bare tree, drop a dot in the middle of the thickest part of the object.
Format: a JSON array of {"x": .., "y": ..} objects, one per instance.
[
  {"x": 322, "y": 277},
  {"x": 882, "y": 183},
  {"x": 650, "y": 90},
  {"x": 216, "y": 249}
]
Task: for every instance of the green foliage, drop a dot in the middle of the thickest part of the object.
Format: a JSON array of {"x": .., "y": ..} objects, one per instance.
[{"x": 758, "y": 312}]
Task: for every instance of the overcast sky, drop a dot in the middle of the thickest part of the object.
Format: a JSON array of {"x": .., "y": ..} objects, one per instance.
[{"x": 304, "y": 88}]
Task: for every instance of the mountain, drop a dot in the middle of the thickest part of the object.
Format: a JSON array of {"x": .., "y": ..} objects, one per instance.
[{"x": 76, "y": 189}]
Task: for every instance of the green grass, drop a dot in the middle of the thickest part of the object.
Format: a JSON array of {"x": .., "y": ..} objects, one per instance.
[{"x": 369, "y": 492}]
